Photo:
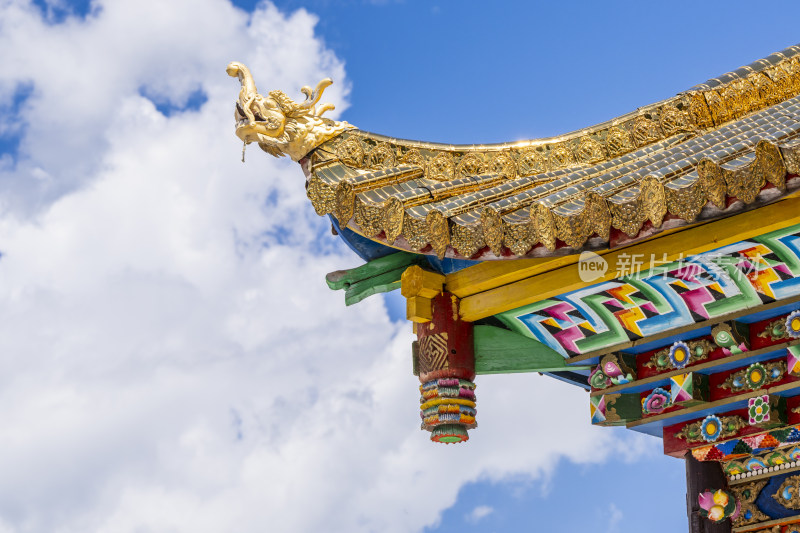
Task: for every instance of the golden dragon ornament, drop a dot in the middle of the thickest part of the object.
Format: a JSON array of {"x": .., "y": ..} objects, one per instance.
[{"x": 277, "y": 123}]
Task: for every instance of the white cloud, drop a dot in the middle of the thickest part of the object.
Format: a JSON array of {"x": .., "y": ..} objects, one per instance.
[
  {"x": 170, "y": 357},
  {"x": 614, "y": 518},
  {"x": 478, "y": 513}
]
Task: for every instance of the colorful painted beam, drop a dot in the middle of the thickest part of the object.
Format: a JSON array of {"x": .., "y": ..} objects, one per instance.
[{"x": 700, "y": 289}]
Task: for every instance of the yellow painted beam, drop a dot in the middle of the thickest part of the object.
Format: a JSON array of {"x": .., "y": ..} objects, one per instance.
[
  {"x": 490, "y": 274},
  {"x": 671, "y": 247}
]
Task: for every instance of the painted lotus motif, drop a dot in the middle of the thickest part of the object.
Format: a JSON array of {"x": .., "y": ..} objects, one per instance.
[
  {"x": 656, "y": 402},
  {"x": 679, "y": 354},
  {"x": 711, "y": 428},
  {"x": 758, "y": 409},
  {"x": 793, "y": 325},
  {"x": 718, "y": 505},
  {"x": 756, "y": 376}
]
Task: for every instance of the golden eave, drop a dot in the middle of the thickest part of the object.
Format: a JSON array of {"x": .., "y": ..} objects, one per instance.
[{"x": 717, "y": 149}]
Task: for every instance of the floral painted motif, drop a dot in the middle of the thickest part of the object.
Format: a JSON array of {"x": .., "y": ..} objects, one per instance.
[
  {"x": 793, "y": 325},
  {"x": 679, "y": 354},
  {"x": 756, "y": 375},
  {"x": 711, "y": 428},
  {"x": 656, "y": 402},
  {"x": 728, "y": 337},
  {"x": 719, "y": 505},
  {"x": 758, "y": 409},
  {"x": 611, "y": 371}
]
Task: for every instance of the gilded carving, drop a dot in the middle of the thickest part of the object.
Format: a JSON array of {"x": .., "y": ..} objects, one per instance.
[
  {"x": 748, "y": 95},
  {"x": 590, "y": 151},
  {"x": 369, "y": 217},
  {"x": 519, "y": 238},
  {"x": 441, "y": 167},
  {"x": 645, "y": 131},
  {"x": 766, "y": 88},
  {"x": 415, "y": 232},
  {"x": 413, "y": 157},
  {"x": 561, "y": 157},
  {"x": 438, "y": 232},
  {"x": 382, "y": 156},
  {"x": 686, "y": 202},
  {"x": 470, "y": 165},
  {"x": 629, "y": 216},
  {"x": 791, "y": 157},
  {"x": 654, "y": 201},
  {"x": 322, "y": 196},
  {"x": 393, "y": 224},
  {"x": 746, "y": 495},
  {"x": 503, "y": 165},
  {"x": 544, "y": 225},
  {"x": 571, "y": 229},
  {"x": 531, "y": 162},
  {"x": 492, "y": 230},
  {"x": 674, "y": 120},
  {"x": 618, "y": 141},
  {"x": 712, "y": 181},
  {"x": 782, "y": 81},
  {"x": 277, "y": 123},
  {"x": 350, "y": 152},
  {"x": 467, "y": 239},
  {"x": 716, "y": 104},
  {"x": 598, "y": 215},
  {"x": 743, "y": 183},
  {"x": 345, "y": 196},
  {"x": 699, "y": 111},
  {"x": 768, "y": 166},
  {"x": 788, "y": 494},
  {"x": 733, "y": 101}
]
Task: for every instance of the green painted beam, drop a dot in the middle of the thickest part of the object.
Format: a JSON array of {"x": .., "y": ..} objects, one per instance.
[
  {"x": 386, "y": 282},
  {"x": 502, "y": 351},
  {"x": 379, "y": 275}
]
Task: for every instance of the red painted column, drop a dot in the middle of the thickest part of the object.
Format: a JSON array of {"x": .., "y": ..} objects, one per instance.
[{"x": 446, "y": 369}]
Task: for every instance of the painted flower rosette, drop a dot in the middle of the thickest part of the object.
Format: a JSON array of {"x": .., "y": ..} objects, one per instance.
[
  {"x": 679, "y": 354},
  {"x": 758, "y": 409},
  {"x": 719, "y": 505},
  {"x": 756, "y": 376},
  {"x": 609, "y": 372},
  {"x": 656, "y": 402},
  {"x": 711, "y": 428},
  {"x": 793, "y": 324}
]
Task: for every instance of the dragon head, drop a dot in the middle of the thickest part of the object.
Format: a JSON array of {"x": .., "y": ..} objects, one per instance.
[{"x": 277, "y": 123}]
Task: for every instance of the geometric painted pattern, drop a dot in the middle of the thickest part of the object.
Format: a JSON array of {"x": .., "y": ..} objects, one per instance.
[
  {"x": 668, "y": 296},
  {"x": 433, "y": 352},
  {"x": 682, "y": 388},
  {"x": 738, "y": 448}
]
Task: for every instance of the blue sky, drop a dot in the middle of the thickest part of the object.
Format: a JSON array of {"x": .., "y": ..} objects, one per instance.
[{"x": 160, "y": 317}]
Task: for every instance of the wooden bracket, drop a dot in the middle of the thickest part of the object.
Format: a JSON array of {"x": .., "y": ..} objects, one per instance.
[{"x": 420, "y": 286}]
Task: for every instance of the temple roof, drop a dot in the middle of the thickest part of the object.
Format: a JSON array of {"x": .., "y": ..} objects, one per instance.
[{"x": 722, "y": 147}]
